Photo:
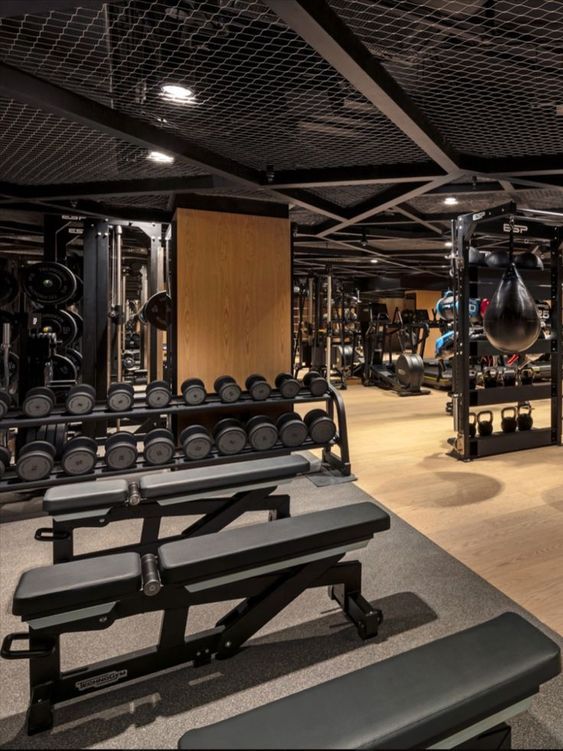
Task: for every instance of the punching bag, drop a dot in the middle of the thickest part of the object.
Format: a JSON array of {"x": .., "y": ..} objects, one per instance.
[{"x": 511, "y": 321}]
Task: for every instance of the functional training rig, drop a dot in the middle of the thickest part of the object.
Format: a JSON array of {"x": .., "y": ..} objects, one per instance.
[
  {"x": 218, "y": 495},
  {"x": 478, "y": 281},
  {"x": 456, "y": 692},
  {"x": 266, "y": 566}
]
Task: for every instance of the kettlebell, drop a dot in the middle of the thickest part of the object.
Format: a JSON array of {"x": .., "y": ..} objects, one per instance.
[
  {"x": 508, "y": 423},
  {"x": 509, "y": 377},
  {"x": 485, "y": 422},
  {"x": 472, "y": 424},
  {"x": 526, "y": 376},
  {"x": 490, "y": 378},
  {"x": 525, "y": 419}
]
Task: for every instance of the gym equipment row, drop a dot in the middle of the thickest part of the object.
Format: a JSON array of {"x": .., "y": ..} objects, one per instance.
[
  {"x": 516, "y": 329},
  {"x": 266, "y": 566},
  {"x": 78, "y": 456}
]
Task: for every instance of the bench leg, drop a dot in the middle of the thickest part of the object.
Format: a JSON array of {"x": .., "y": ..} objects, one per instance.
[
  {"x": 348, "y": 595},
  {"x": 499, "y": 737},
  {"x": 40, "y": 712},
  {"x": 281, "y": 509},
  {"x": 43, "y": 673}
]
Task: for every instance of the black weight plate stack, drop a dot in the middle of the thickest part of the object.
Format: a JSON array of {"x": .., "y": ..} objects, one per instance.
[
  {"x": 196, "y": 442},
  {"x": 159, "y": 446},
  {"x": 321, "y": 428},
  {"x": 287, "y": 385},
  {"x": 75, "y": 357},
  {"x": 5, "y": 457},
  {"x": 38, "y": 402},
  {"x": 61, "y": 323},
  {"x": 120, "y": 397},
  {"x": 79, "y": 323},
  {"x": 230, "y": 436},
  {"x": 79, "y": 455},
  {"x": 35, "y": 461},
  {"x": 292, "y": 430},
  {"x": 63, "y": 368},
  {"x": 80, "y": 399},
  {"x": 157, "y": 311},
  {"x": 48, "y": 283},
  {"x": 121, "y": 450},
  {"x": 79, "y": 292},
  {"x": 262, "y": 433}
]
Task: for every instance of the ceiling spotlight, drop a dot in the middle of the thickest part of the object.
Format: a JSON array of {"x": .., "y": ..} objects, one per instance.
[
  {"x": 448, "y": 243},
  {"x": 374, "y": 260},
  {"x": 158, "y": 156},
  {"x": 450, "y": 201},
  {"x": 175, "y": 93}
]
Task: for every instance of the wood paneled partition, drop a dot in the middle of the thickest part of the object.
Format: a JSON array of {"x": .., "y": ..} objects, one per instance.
[{"x": 233, "y": 295}]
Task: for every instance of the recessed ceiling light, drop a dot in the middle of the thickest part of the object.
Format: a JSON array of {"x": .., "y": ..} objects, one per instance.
[
  {"x": 158, "y": 156},
  {"x": 448, "y": 243},
  {"x": 173, "y": 92},
  {"x": 450, "y": 201},
  {"x": 374, "y": 260}
]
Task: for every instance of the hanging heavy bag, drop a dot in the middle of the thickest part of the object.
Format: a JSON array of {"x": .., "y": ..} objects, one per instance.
[{"x": 511, "y": 322}]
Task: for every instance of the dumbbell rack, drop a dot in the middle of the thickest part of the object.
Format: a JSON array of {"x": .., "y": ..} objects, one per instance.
[
  {"x": 332, "y": 399},
  {"x": 479, "y": 281}
]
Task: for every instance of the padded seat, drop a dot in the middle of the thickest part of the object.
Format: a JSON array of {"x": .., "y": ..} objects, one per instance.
[
  {"x": 79, "y": 496},
  {"x": 70, "y": 586},
  {"x": 234, "y": 550},
  {"x": 412, "y": 700},
  {"x": 222, "y": 477}
]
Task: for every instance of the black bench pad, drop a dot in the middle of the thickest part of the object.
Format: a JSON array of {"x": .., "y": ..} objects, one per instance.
[
  {"x": 79, "y": 496},
  {"x": 77, "y": 584},
  {"x": 411, "y": 700},
  {"x": 231, "y": 550},
  {"x": 204, "y": 479}
]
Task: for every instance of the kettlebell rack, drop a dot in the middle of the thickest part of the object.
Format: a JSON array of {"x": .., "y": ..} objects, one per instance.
[
  {"x": 332, "y": 399},
  {"x": 476, "y": 281}
]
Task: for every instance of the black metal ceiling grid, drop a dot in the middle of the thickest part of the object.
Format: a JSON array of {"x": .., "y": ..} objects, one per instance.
[
  {"x": 262, "y": 96},
  {"x": 535, "y": 199},
  {"x": 487, "y": 73},
  {"x": 40, "y": 148},
  {"x": 148, "y": 200},
  {"x": 304, "y": 218},
  {"x": 349, "y": 195}
]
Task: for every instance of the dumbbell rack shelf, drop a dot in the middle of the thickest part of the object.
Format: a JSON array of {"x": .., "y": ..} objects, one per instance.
[
  {"x": 474, "y": 281},
  {"x": 332, "y": 399}
]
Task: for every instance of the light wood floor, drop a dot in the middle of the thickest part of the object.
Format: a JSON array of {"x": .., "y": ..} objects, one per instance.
[{"x": 501, "y": 516}]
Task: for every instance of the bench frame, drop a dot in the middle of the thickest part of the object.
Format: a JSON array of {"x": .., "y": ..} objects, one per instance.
[
  {"x": 263, "y": 592},
  {"x": 218, "y": 512}
]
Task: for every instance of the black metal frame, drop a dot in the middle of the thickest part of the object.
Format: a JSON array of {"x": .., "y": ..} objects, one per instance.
[
  {"x": 477, "y": 281},
  {"x": 263, "y": 597}
]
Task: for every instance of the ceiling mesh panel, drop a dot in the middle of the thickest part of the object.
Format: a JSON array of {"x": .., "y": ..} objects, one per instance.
[
  {"x": 262, "y": 95},
  {"x": 37, "y": 147},
  {"x": 349, "y": 195},
  {"x": 488, "y": 74},
  {"x": 533, "y": 199}
]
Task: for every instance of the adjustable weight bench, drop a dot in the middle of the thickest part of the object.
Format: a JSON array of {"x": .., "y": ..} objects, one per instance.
[
  {"x": 221, "y": 494},
  {"x": 455, "y": 691},
  {"x": 266, "y": 566}
]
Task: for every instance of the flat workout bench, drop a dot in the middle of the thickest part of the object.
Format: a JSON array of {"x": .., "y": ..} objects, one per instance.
[
  {"x": 265, "y": 565},
  {"x": 220, "y": 494},
  {"x": 439, "y": 695}
]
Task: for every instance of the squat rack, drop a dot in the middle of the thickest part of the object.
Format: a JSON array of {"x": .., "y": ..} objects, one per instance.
[{"x": 479, "y": 281}]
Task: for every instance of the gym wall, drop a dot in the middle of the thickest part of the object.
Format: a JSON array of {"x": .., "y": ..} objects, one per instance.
[
  {"x": 233, "y": 287},
  {"x": 427, "y": 298}
]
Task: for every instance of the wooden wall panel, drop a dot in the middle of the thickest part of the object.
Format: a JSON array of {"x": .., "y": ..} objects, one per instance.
[{"x": 233, "y": 295}]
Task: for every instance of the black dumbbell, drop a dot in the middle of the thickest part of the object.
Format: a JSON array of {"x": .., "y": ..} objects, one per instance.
[
  {"x": 38, "y": 402},
  {"x": 509, "y": 377},
  {"x": 524, "y": 420},
  {"x": 230, "y": 436},
  {"x": 159, "y": 446},
  {"x": 508, "y": 419},
  {"x": 35, "y": 461},
  {"x": 158, "y": 394},
  {"x": 316, "y": 384},
  {"x": 121, "y": 450},
  {"x": 291, "y": 429},
  {"x": 321, "y": 428},
  {"x": 193, "y": 391},
  {"x": 258, "y": 387},
  {"x": 79, "y": 455},
  {"x": 526, "y": 376},
  {"x": 5, "y": 402},
  {"x": 485, "y": 422},
  {"x": 472, "y": 424},
  {"x": 227, "y": 389},
  {"x": 120, "y": 396},
  {"x": 288, "y": 386},
  {"x": 196, "y": 442},
  {"x": 5, "y": 457},
  {"x": 262, "y": 432},
  {"x": 490, "y": 378},
  {"x": 81, "y": 399}
]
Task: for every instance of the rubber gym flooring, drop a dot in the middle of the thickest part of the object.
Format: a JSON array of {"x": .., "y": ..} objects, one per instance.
[{"x": 424, "y": 592}]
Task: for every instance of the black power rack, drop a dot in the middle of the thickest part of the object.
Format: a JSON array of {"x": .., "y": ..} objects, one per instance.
[
  {"x": 332, "y": 399},
  {"x": 479, "y": 281}
]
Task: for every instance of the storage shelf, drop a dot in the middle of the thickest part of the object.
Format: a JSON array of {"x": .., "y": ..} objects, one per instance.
[
  {"x": 502, "y": 443},
  {"x": 509, "y": 394},
  {"x": 482, "y": 347}
]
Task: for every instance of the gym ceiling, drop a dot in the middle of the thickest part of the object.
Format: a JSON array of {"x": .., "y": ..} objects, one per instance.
[{"x": 377, "y": 121}]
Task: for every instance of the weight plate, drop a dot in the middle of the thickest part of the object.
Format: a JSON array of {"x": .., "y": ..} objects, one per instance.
[
  {"x": 231, "y": 441},
  {"x": 197, "y": 447},
  {"x": 120, "y": 401},
  {"x": 79, "y": 461},
  {"x": 121, "y": 457},
  {"x": 157, "y": 311},
  {"x": 35, "y": 465},
  {"x": 8, "y": 287},
  {"x": 63, "y": 368},
  {"x": 79, "y": 323},
  {"x": 61, "y": 323},
  {"x": 79, "y": 292},
  {"x": 75, "y": 357},
  {"x": 48, "y": 283},
  {"x": 159, "y": 452},
  {"x": 263, "y": 437}
]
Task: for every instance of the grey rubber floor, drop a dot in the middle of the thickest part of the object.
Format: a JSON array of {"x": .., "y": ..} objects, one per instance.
[{"x": 424, "y": 593}]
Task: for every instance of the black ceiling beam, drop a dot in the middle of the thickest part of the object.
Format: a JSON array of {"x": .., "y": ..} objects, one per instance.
[
  {"x": 40, "y": 93},
  {"x": 97, "y": 209},
  {"x": 517, "y": 166},
  {"x": 327, "y": 34},
  {"x": 411, "y": 213},
  {"x": 336, "y": 177}
]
